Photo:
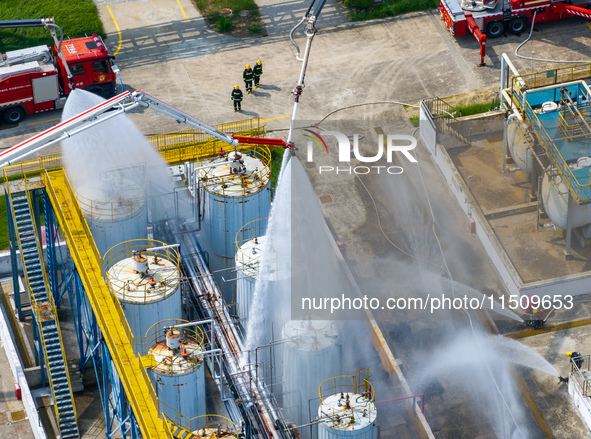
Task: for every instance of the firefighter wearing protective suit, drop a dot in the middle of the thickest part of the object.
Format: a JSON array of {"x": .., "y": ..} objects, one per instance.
[
  {"x": 237, "y": 98},
  {"x": 576, "y": 358},
  {"x": 258, "y": 71},
  {"x": 248, "y": 76}
]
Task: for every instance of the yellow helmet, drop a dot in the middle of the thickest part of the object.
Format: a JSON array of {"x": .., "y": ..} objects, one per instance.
[
  {"x": 569, "y": 354},
  {"x": 236, "y": 87},
  {"x": 535, "y": 310},
  {"x": 248, "y": 66},
  {"x": 259, "y": 62}
]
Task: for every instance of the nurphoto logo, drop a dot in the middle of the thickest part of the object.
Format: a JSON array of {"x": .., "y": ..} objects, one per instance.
[{"x": 401, "y": 143}]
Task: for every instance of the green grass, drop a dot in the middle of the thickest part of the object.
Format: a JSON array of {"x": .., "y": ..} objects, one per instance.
[
  {"x": 391, "y": 8},
  {"x": 477, "y": 108},
  {"x": 465, "y": 110},
  {"x": 76, "y": 18},
  {"x": 213, "y": 6},
  {"x": 276, "y": 158},
  {"x": 237, "y": 25}
]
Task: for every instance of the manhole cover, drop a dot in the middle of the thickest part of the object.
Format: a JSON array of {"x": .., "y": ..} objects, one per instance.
[
  {"x": 18, "y": 415},
  {"x": 244, "y": 13},
  {"x": 226, "y": 12}
]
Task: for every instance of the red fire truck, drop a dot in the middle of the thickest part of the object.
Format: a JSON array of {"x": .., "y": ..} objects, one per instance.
[
  {"x": 492, "y": 18},
  {"x": 34, "y": 79}
]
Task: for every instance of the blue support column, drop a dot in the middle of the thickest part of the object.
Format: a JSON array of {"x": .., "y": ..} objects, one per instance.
[
  {"x": 106, "y": 393},
  {"x": 13, "y": 259},
  {"x": 50, "y": 238},
  {"x": 116, "y": 408},
  {"x": 76, "y": 291},
  {"x": 38, "y": 350}
]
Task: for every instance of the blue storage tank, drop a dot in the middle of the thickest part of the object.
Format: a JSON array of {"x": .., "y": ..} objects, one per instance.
[
  {"x": 235, "y": 193},
  {"x": 251, "y": 245}
]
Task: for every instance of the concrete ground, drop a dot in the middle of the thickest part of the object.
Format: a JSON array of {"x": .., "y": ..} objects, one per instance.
[{"x": 180, "y": 60}]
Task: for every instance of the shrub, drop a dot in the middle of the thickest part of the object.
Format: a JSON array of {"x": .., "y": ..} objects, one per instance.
[
  {"x": 359, "y": 4},
  {"x": 224, "y": 24},
  {"x": 255, "y": 28}
]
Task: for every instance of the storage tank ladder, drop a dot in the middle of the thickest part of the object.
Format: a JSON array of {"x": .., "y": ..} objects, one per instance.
[
  {"x": 107, "y": 310},
  {"x": 37, "y": 286}
]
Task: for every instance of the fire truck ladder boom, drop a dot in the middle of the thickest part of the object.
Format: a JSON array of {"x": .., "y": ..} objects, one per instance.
[
  {"x": 576, "y": 11},
  {"x": 123, "y": 103},
  {"x": 480, "y": 37},
  {"x": 310, "y": 30}
]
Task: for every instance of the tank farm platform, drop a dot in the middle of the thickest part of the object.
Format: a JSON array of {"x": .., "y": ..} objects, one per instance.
[{"x": 130, "y": 327}]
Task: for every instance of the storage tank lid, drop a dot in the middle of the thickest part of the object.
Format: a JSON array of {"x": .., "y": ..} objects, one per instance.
[
  {"x": 549, "y": 106},
  {"x": 250, "y": 255},
  {"x": 160, "y": 280},
  {"x": 310, "y": 335},
  {"x": 244, "y": 176},
  {"x": 356, "y": 414},
  {"x": 187, "y": 357},
  {"x": 114, "y": 198}
]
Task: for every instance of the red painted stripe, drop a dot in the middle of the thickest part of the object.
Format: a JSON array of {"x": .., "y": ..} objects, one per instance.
[
  {"x": 80, "y": 116},
  {"x": 321, "y": 139}
]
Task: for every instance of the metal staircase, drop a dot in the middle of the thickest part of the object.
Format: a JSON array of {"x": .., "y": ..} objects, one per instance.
[{"x": 45, "y": 313}]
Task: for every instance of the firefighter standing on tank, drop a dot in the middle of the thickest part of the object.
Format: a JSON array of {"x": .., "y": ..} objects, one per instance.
[
  {"x": 237, "y": 98},
  {"x": 258, "y": 71},
  {"x": 248, "y": 76}
]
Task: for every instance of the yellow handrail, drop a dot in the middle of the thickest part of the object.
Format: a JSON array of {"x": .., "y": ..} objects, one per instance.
[
  {"x": 249, "y": 264},
  {"x": 196, "y": 424}
]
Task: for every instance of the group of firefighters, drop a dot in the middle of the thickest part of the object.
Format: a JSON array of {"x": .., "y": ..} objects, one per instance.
[{"x": 248, "y": 76}]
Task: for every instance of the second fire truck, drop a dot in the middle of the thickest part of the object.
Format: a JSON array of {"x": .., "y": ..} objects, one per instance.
[{"x": 493, "y": 18}]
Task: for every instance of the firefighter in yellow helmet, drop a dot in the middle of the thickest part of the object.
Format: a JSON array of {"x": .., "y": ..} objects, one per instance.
[
  {"x": 248, "y": 75},
  {"x": 258, "y": 71},
  {"x": 237, "y": 98},
  {"x": 576, "y": 358}
]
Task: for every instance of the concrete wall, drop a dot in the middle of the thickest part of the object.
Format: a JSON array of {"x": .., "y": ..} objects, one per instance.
[
  {"x": 582, "y": 403},
  {"x": 574, "y": 285}
]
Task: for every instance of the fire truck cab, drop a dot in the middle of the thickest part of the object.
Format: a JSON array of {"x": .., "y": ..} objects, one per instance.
[
  {"x": 90, "y": 65},
  {"x": 34, "y": 79}
]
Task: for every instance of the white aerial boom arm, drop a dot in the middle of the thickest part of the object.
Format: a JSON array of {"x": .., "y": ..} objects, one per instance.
[{"x": 122, "y": 103}]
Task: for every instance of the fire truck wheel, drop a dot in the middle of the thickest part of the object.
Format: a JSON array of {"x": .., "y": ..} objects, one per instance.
[
  {"x": 518, "y": 25},
  {"x": 494, "y": 29},
  {"x": 14, "y": 115}
]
